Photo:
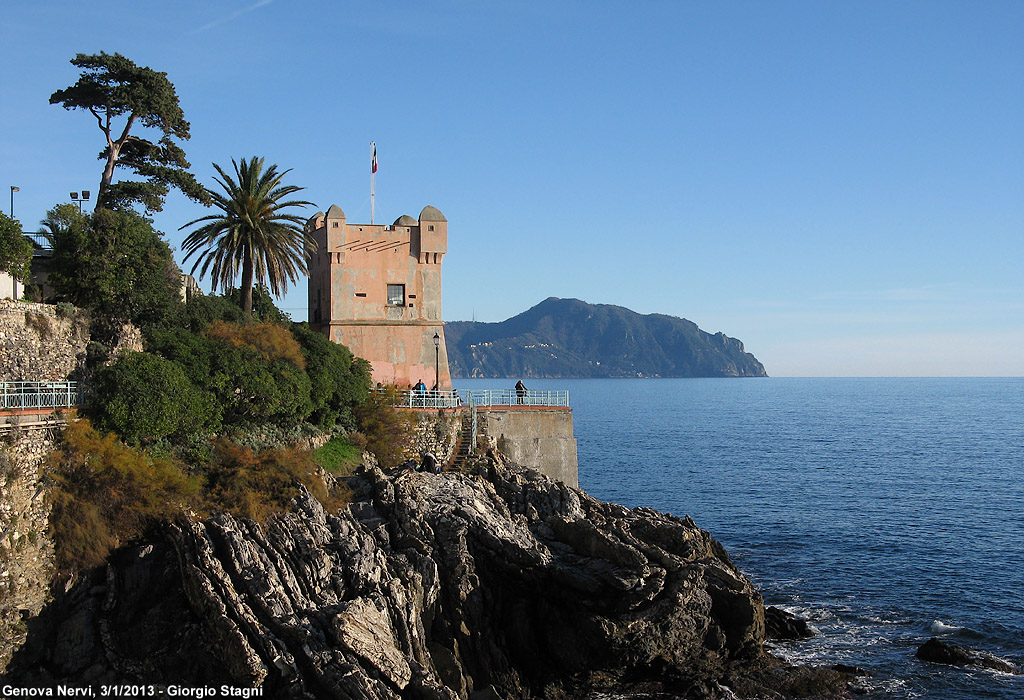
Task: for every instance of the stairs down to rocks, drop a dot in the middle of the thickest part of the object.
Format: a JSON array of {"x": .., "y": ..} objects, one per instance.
[{"x": 464, "y": 448}]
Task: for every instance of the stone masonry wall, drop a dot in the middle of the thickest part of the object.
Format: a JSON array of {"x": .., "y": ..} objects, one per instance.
[
  {"x": 39, "y": 342},
  {"x": 436, "y": 433},
  {"x": 26, "y": 553}
]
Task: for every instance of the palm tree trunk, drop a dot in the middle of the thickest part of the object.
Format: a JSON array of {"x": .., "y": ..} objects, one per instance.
[{"x": 247, "y": 283}]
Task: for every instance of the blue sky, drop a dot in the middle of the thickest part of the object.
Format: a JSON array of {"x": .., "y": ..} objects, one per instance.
[{"x": 838, "y": 185}]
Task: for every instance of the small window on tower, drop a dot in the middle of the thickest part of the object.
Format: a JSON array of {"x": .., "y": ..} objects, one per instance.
[
  {"x": 396, "y": 295},
  {"x": 430, "y": 227}
]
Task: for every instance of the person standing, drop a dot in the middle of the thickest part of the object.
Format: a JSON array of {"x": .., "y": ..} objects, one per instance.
[{"x": 520, "y": 392}]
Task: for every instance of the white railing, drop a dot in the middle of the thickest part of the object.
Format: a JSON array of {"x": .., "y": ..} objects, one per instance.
[
  {"x": 15, "y": 395},
  {"x": 426, "y": 399},
  {"x": 511, "y": 397}
]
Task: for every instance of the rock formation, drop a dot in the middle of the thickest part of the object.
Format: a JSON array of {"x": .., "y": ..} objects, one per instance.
[
  {"x": 446, "y": 586},
  {"x": 941, "y": 653}
]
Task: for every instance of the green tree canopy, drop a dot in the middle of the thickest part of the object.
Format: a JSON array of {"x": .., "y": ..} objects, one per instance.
[
  {"x": 252, "y": 236},
  {"x": 15, "y": 249},
  {"x": 60, "y": 222},
  {"x": 119, "y": 265},
  {"x": 121, "y": 95}
]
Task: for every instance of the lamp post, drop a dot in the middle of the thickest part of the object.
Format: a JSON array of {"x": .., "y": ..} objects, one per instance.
[
  {"x": 76, "y": 200},
  {"x": 13, "y": 190},
  {"x": 437, "y": 361}
]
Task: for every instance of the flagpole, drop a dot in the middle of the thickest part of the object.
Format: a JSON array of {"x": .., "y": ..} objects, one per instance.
[{"x": 373, "y": 174}]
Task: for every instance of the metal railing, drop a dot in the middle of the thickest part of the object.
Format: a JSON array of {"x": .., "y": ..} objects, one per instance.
[
  {"x": 14, "y": 395},
  {"x": 511, "y": 397},
  {"x": 427, "y": 399}
]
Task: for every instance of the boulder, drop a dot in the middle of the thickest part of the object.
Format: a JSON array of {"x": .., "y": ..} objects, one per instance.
[
  {"x": 785, "y": 626},
  {"x": 941, "y": 653}
]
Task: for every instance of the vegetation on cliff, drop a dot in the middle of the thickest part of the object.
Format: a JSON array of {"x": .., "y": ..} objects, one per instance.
[{"x": 570, "y": 338}]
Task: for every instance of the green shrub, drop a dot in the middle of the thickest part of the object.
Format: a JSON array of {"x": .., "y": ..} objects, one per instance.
[
  {"x": 144, "y": 398},
  {"x": 339, "y": 381},
  {"x": 117, "y": 264}
]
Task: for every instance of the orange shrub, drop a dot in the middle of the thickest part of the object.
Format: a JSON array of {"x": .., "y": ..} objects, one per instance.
[{"x": 272, "y": 341}]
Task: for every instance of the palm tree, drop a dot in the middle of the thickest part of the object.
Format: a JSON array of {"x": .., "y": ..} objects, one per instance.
[{"x": 251, "y": 235}]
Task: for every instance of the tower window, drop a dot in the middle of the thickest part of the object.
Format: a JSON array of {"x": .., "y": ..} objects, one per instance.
[
  {"x": 396, "y": 295},
  {"x": 430, "y": 227}
]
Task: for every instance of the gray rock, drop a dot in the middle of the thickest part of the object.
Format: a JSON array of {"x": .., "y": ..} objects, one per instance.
[
  {"x": 431, "y": 587},
  {"x": 942, "y": 653}
]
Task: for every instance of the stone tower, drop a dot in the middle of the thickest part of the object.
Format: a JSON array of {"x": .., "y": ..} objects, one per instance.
[{"x": 377, "y": 290}]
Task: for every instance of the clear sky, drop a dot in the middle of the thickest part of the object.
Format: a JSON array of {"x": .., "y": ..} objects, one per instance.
[{"x": 840, "y": 185}]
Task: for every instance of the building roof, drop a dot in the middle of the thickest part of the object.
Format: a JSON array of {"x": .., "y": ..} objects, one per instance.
[
  {"x": 430, "y": 213},
  {"x": 405, "y": 220},
  {"x": 335, "y": 212}
]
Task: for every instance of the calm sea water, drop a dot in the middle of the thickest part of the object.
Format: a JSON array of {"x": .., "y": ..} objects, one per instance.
[{"x": 886, "y": 511}]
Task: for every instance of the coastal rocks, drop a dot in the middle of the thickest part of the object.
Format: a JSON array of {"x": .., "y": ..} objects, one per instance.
[
  {"x": 941, "y": 653},
  {"x": 427, "y": 587},
  {"x": 785, "y": 626}
]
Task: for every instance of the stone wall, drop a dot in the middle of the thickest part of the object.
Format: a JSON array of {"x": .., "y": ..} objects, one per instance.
[
  {"x": 437, "y": 433},
  {"x": 26, "y": 553},
  {"x": 41, "y": 342},
  {"x": 541, "y": 439}
]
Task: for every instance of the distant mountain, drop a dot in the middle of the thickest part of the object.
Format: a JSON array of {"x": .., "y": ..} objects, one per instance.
[{"x": 570, "y": 338}]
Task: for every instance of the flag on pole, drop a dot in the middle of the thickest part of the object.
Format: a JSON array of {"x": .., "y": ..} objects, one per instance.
[{"x": 373, "y": 161}]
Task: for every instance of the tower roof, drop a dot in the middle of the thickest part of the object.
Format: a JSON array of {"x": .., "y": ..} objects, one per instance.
[
  {"x": 430, "y": 213},
  {"x": 405, "y": 220},
  {"x": 335, "y": 212}
]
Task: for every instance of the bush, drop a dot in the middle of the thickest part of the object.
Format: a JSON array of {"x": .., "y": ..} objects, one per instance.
[
  {"x": 119, "y": 265},
  {"x": 104, "y": 494},
  {"x": 258, "y": 484},
  {"x": 257, "y": 379},
  {"x": 15, "y": 249},
  {"x": 144, "y": 398},
  {"x": 339, "y": 381},
  {"x": 389, "y": 431},
  {"x": 270, "y": 340}
]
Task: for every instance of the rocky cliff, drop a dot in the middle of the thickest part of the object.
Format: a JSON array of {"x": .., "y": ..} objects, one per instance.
[
  {"x": 506, "y": 585},
  {"x": 571, "y": 338}
]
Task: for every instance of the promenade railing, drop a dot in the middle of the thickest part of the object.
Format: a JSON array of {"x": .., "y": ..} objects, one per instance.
[
  {"x": 34, "y": 395},
  {"x": 511, "y": 397},
  {"x": 479, "y": 397},
  {"x": 426, "y": 399}
]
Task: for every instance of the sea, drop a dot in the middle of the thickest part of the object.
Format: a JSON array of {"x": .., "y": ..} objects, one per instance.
[{"x": 884, "y": 511}]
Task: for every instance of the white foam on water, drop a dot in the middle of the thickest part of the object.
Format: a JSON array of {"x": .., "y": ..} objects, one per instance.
[{"x": 940, "y": 627}]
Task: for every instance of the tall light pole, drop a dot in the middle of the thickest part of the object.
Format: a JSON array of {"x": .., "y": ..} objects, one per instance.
[
  {"x": 437, "y": 361},
  {"x": 76, "y": 200},
  {"x": 13, "y": 190}
]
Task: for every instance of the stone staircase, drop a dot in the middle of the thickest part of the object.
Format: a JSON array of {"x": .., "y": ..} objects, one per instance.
[{"x": 464, "y": 446}]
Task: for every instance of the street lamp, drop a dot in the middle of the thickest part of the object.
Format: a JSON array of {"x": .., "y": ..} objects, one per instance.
[
  {"x": 437, "y": 361},
  {"x": 85, "y": 198},
  {"x": 13, "y": 190}
]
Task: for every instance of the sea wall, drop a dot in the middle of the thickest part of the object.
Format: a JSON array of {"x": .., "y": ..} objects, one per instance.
[{"x": 540, "y": 438}]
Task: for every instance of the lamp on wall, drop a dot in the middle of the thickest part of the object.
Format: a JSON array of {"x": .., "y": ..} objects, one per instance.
[{"x": 437, "y": 361}]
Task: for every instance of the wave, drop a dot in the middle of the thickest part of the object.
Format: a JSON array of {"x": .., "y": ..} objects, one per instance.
[{"x": 940, "y": 627}]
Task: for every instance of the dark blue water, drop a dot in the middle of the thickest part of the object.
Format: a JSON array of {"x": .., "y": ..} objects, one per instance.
[{"x": 887, "y": 511}]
